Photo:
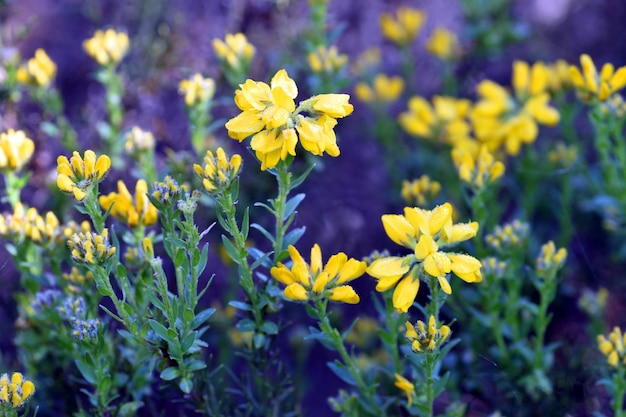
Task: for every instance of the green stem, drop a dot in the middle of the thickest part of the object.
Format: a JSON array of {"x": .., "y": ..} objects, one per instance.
[
  {"x": 283, "y": 177},
  {"x": 547, "y": 290},
  {"x": 93, "y": 208},
  {"x": 13, "y": 187},
  {"x": 391, "y": 318},
  {"x": 431, "y": 362},
  {"x": 619, "y": 387}
]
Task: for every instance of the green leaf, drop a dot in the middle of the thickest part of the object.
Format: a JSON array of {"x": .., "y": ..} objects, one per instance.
[
  {"x": 258, "y": 340},
  {"x": 187, "y": 342},
  {"x": 240, "y": 305},
  {"x": 339, "y": 369},
  {"x": 232, "y": 252},
  {"x": 87, "y": 371},
  {"x": 245, "y": 325},
  {"x": 160, "y": 330},
  {"x": 265, "y": 206},
  {"x": 264, "y": 232},
  {"x": 245, "y": 223},
  {"x": 269, "y": 327},
  {"x": 185, "y": 385},
  {"x": 296, "y": 183},
  {"x": 129, "y": 409},
  {"x": 292, "y": 204},
  {"x": 201, "y": 317},
  {"x": 112, "y": 314},
  {"x": 201, "y": 264},
  {"x": 188, "y": 315},
  {"x": 292, "y": 237},
  {"x": 195, "y": 365}
]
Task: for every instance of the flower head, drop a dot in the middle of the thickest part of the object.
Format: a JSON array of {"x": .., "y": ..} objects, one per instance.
[
  {"x": 404, "y": 27},
  {"x": 305, "y": 281},
  {"x": 327, "y": 60},
  {"x": 40, "y": 70},
  {"x": 134, "y": 212},
  {"x": 197, "y": 89},
  {"x": 168, "y": 191},
  {"x": 16, "y": 390},
  {"x": 424, "y": 338},
  {"x": 15, "y": 150},
  {"x": 425, "y": 232},
  {"x": 613, "y": 347},
  {"x": 234, "y": 52},
  {"x": 443, "y": 44},
  {"x": 383, "y": 90},
  {"x": 218, "y": 173},
  {"x": 91, "y": 248},
  {"x": 480, "y": 171},
  {"x": 592, "y": 85},
  {"x": 405, "y": 385},
  {"x": 420, "y": 191},
  {"x": 77, "y": 175},
  {"x": 509, "y": 237},
  {"x": 550, "y": 260},
  {"x": 108, "y": 47},
  {"x": 139, "y": 140}
]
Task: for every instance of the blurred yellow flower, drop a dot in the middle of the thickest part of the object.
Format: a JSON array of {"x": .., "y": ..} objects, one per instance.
[
  {"x": 327, "y": 60},
  {"x": 305, "y": 281},
  {"x": 403, "y": 384},
  {"x": 218, "y": 173},
  {"x": 139, "y": 212},
  {"x": 508, "y": 237},
  {"x": 15, "y": 150},
  {"x": 197, "y": 89},
  {"x": 78, "y": 175},
  {"x": 550, "y": 260},
  {"x": 139, "y": 140},
  {"x": 558, "y": 76},
  {"x": 108, "y": 47},
  {"x": 613, "y": 347},
  {"x": 366, "y": 62},
  {"x": 235, "y": 50},
  {"x": 420, "y": 191},
  {"x": 404, "y": 27},
  {"x": 593, "y": 86},
  {"x": 443, "y": 44},
  {"x": 480, "y": 171},
  {"x": 40, "y": 70},
  {"x": 383, "y": 90}
]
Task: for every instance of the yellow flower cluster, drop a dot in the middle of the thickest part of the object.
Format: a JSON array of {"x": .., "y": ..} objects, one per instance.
[
  {"x": 405, "y": 385},
  {"x": 426, "y": 339},
  {"x": 508, "y": 236},
  {"x": 613, "y": 347},
  {"x": 477, "y": 172},
  {"x": 15, "y": 391},
  {"x": 558, "y": 76},
  {"x": 594, "y": 302},
  {"x": 404, "y": 27},
  {"x": 563, "y": 156},
  {"x": 424, "y": 231},
  {"x": 137, "y": 212},
  {"x": 44, "y": 230},
  {"x": 218, "y": 173},
  {"x": 384, "y": 89},
  {"x": 77, "y": 175},
  {"x": 107, "y": 48},
  {"x": 592, "y": 86},
  {"x": 269, "y": 114},
  {"x": 139, "y": 140},
  {"x": 420, "y": 191},
  {"x": 15, "y": 150},
  {"x": 91, "y": 248},
  {"x": 327, "y": 60},
  {"x": 443, "y": 44},
  {"x": 76, "y": 279},
  {"x": 306, "y": 281},
  {"x": 235, "y": 51},
  {"x": 168, "y": 191},
  {"x": 40, "y": 70},
  {"x": 550, "y": 260},
  {"x": 197, "y": 89}
]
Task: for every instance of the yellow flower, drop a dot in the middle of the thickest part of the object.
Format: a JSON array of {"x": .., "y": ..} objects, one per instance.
[
  {"x": 139, "y": 140},
  {"x": 305, "y": 281},
  {"x": 197, "y": 89},
  {"x": 480, "y": 171},
  {"x": 40, "y": 70},
  {"x": 426, "y": 339},
  {"x": 122, "y": 207},
  {"x": 558, "y": 76},
  {"x": 563, "y": 156},
  {"x": 550, "y": 260},
  {"x": 327, "y": 60},
  {"x": 78, "y": 175},
  {"x": 593, "y": 86},
  {"x": 403, "y": 384},
  {"x": 424, "y": 231},
  {"x": 383, "y": 90},
  {"x": 235, "y": 50},
  {"x": 91, "y": 248},
  {"x": 270, "y": 116},
  {"x": 443, "y": 44},
  {"x": 15, "y": 391},
  {"x": 107, "y": 48},
  {"x": 15, "y": 150},
  {"x": 404, "y": 28},
  {"x": 218, "y": 172},
  {"x": 613, "y": 347},
  {"x": 420, "y": 191}
]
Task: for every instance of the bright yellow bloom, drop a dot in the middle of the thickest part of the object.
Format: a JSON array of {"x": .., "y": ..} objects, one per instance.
[
  {"x": 134, "y": 213},
  {"x": 613, "y": 347},
  {"x": 218, "y": 173},
  {"x": 91, "y": 248},
  {"x": 305, "y": 281},
  {"x": 550, "y": 260},
  {"x": 270, "y": 116},
  {"x": 477, "y": 172},
  {"x": 593, "y": 86},
  {"x": 327, "y": 60},
  {"x": 420, "y": 191},
  {"x": 139, "y": 140},
  {"x": 107, "y": 48},
  {"x": 426, "y": 339},
  {"x": 78, "y": 175},
  {"x": 15, "y": 150},
  {"x": 404, "y": 28},
  {"x": 235, "y": 50},
  {"x": 40, "y": 70},
  {"x": 384, "y": 89},
  {"x": 15, "y": 391},
  {"x": 197, "y": 89},
  {"x": 443, "y": 44},
  {"x": 424, "y": 231},
  {"x": 409, "y": 389}
]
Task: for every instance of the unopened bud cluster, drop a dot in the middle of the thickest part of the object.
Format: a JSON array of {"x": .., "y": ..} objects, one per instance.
[{"x": 91, "y": 248}]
